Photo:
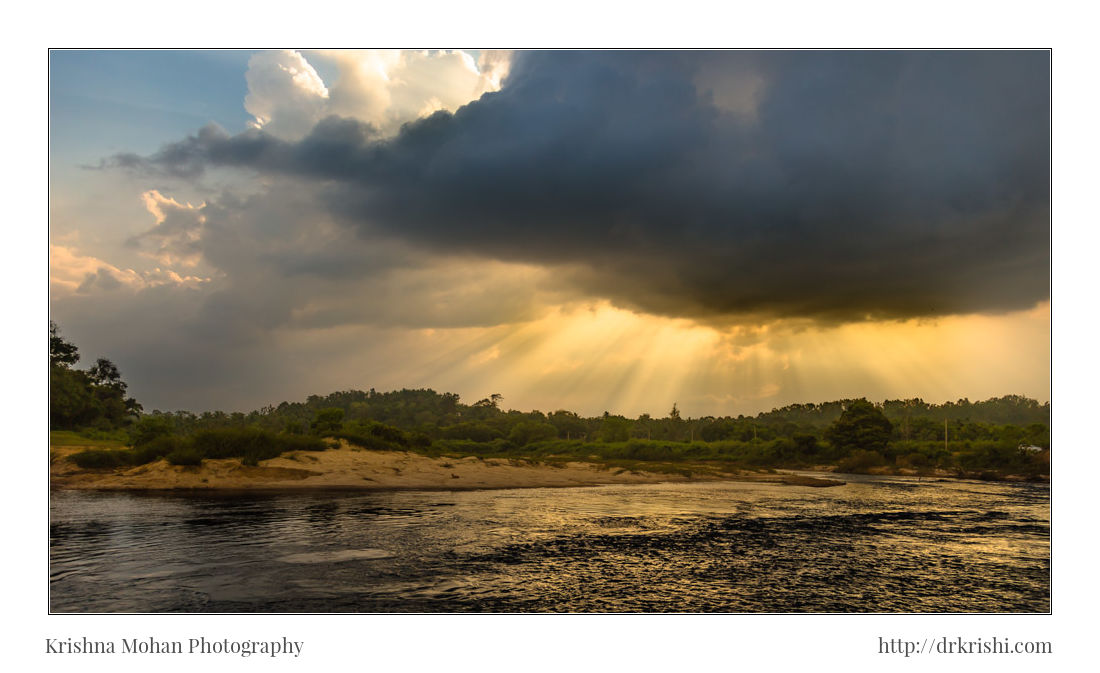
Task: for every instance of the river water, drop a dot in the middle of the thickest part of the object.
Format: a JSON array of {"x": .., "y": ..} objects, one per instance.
[{"x": 876, "y": 544}]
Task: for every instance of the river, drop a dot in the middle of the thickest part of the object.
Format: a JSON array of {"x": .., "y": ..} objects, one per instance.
[{"x": 876, "y": 544}]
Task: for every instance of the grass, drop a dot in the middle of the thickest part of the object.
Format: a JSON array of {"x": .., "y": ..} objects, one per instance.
[{"x": 98, "y": 440}]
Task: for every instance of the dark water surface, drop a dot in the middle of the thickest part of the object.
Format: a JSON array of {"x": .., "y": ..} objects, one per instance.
[{"x": 876, "y": 544}]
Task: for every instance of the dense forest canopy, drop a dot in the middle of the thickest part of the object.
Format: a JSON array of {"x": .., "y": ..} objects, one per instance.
[{"x": 1009, "y": 420}]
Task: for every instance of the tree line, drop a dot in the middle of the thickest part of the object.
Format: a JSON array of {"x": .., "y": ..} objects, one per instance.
[
  {"x": 856, "y": 433},
  {"x": 443, "y": 416}
]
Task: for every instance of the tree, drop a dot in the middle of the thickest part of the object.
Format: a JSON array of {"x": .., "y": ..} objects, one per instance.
[
  {"x": 643, "y": 427},
  {"x": 328, "y": 420},
  {"x": 568, "y": 424},
  {"x": 110, "y": 390},
  {"x": 105, "y": 373},
  {"x": 862, "y": 426},
  {"x": 78, "y": 399},
  {"x": 673, "y": 425},
  {"x": 473, "y": 431},
  {"x": 526, "y": 432},
  {"x": 614, "y": 428},
  {"x": 72, "y": 404},
  {"x": 62, "y": 353}
]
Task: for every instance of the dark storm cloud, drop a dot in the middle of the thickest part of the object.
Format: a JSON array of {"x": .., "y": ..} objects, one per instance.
[{"x": 846, "y": 185}]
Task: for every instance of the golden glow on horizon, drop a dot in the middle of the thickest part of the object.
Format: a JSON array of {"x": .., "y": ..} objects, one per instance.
[{"x": 597, "y": 357}]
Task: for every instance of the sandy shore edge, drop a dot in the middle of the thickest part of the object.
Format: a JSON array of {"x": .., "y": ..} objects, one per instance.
[{"x": 351, "y": 468}]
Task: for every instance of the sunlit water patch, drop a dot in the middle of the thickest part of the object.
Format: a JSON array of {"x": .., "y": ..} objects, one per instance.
[{"x": 876, "y": 544}]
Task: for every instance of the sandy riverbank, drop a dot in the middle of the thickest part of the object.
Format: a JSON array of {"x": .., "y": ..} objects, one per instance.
[{"x": 352, "y": 468}]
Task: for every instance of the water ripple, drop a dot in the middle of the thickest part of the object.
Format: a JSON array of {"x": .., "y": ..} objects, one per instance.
[{"x": 874, "y": 545}]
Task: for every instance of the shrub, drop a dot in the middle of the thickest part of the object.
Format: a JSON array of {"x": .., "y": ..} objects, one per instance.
[
  {"x": 386, "y": 433},
  {"x": 97, "y": 458},
  {"x": 155, "y": 449},
  {"x": 369, "y": 442},
  {"x": 185, "y": 456},
  {"x": 232, "y": 442},
  {"x": 328, "y": 421},
  {"x": 150, "y": 428},
  {"x": 252, "y": 443}
]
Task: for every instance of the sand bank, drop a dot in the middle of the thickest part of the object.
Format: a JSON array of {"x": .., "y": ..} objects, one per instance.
[{"x": 352, "y": 468}]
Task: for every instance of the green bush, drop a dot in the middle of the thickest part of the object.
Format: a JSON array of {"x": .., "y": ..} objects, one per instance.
[
  {"x": 155, "y": 449},
  {"x": 300, "y": 443},
  {"x": 185, "y": 456},
  {"x": 97, "y": 458},
  {"x": 386, "y": 433},
  {"x": 327, "y": 421},
  {"x": 150, "y": 428},
  {"x": 234, "y": 443},
  {"x": 370, "y": 442}
]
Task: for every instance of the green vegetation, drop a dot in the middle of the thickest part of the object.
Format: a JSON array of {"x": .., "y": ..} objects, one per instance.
[
  {"x": 94, "y": 438},
  {"x": 862, "y": 427},
  {"x": 1001, "y": 436},
  {"x": 251, "y": 445},
  {"x": 91, "y": 398}
]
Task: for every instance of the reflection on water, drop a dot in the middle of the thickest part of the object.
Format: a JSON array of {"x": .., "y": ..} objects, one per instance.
[
  {"x": 329, "y": 556},
  {"x": 877, "y": 544}
]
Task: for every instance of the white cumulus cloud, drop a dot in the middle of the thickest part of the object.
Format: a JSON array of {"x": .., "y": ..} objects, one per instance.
[
  {"x": 285, "y": 94},
  {"x": 385, "y": 88}
]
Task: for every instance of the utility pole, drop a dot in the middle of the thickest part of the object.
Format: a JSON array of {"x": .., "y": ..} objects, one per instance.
[{"x": 945, "y": 434}]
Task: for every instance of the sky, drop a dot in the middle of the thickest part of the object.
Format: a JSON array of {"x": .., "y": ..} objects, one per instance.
[{"x": 727, "y": 231}]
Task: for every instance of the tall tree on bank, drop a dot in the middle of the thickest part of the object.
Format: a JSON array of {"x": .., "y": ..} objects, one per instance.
[
  {"x": 80, "y": 399},
  {"x": 862, "y": 426}
]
